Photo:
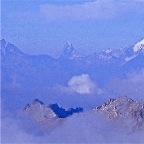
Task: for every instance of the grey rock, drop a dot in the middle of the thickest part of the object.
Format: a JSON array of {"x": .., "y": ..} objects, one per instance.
[
  {"x": 126, "y": 109},
  {"x": 42, "y": 114},
  {"x": 49, "y": 116}
]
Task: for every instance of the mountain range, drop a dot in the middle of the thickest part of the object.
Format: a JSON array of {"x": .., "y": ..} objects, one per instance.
[
  {"x": 32, "y": 75},
  {"x": 73, "y": 90},
  {"x": 122, "y": 108},
  {"x": 22, "y": 70}
]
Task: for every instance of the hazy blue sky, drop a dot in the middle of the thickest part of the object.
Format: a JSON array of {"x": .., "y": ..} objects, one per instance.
[{"x": 43, "y": 26}]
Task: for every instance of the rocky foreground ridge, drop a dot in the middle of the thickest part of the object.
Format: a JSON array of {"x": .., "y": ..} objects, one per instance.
[
  {"x": 122, "y": 108},
  {"x": 49, "y": 116}
]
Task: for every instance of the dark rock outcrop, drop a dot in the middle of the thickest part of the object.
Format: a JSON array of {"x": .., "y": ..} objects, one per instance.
[{"x": 62, "y": 113}]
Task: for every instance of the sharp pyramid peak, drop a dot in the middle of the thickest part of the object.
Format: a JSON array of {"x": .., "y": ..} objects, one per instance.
[{"x": 69, "y": 47}]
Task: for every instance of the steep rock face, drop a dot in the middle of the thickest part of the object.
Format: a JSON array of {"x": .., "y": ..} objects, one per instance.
[{"x": 125, "y": 109}]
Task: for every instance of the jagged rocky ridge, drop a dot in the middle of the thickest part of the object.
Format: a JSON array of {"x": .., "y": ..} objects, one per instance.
[
  {"x": 123, "y": 109},
  {"x": 126, "y": 109},
  {"x": 48, "y": 115},
  {"x": 21, "y": 70}
]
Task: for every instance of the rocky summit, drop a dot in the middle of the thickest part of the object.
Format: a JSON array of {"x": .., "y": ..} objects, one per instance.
[
  {"x": 41, "y": 114},
  {"x": 49, "y": 116},
  {"x": 125, "y": 109}
]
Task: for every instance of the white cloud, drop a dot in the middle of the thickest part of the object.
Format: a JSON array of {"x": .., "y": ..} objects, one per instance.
[
  {"x": 82, "y": 84},
  {"x": 91, "y": 10}
]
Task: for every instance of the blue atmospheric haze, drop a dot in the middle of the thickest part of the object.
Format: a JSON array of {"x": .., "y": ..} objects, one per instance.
[{"x": 60, "y": 59}]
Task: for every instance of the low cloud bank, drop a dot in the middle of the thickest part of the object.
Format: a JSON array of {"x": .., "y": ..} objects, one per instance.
[{"x": 82, "y": 128}]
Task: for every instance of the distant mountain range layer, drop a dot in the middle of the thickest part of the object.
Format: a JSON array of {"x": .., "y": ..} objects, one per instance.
[{"x": 20, "y": 70}]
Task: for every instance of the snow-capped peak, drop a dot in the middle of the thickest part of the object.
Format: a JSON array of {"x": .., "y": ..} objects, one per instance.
[{"x": 139, "y": 46}]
